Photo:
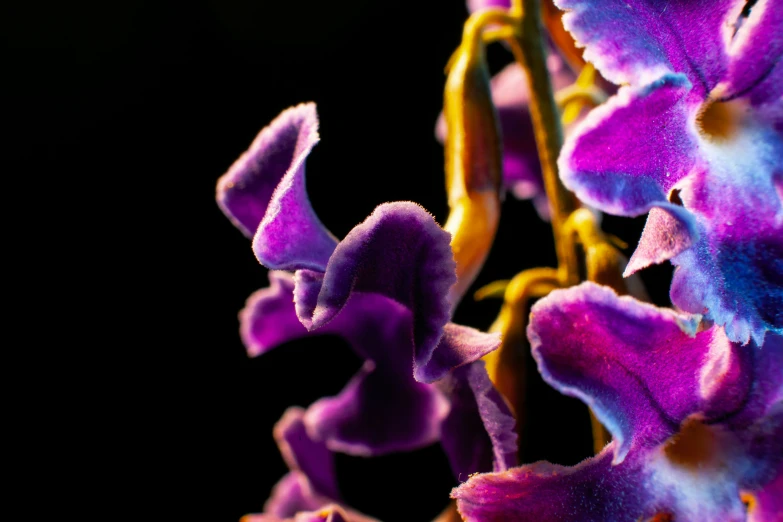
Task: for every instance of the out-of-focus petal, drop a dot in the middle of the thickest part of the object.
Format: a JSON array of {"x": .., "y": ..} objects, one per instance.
[
  {"x": 638, "y": 41},
  {"x": 755, "y": 47},
  {"x": 609, "y": 351},
  {"x": 244, "y": 192},
  {"x": 292, "y": 494},
  {"x": 302, "y": 453},
  {"x": 629, "y": 152},
  {"x": 376, "y": 414},
  {"x": 475, "y": 5},
  {"x": 478, "y": 434},
  {"x": 510, "y": 95}
]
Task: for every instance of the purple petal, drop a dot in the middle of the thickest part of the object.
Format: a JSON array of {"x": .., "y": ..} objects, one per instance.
[
  {"x": 669, "y": 231},
  {"x": 755, "y": 49},
  {"x": 244, "y": 192},
  {"x": 269, "y": 318},
  {"x": 594, "y": 490},
  {"x": 304, "y": 454},
  {"x": 734, "y": 272},
  {"x": 478, "y": 435},
  {"x": 291, "y": 236},
  {"x": 377, "y": 413},
  {"x": 475, "y": 5},
  {"x": 638, "y": 41},
  {"x": 629, "y": 152},
  {"x": 399, "y": 252},
  {"x": 629, "y": 361},
  {"x": 459, "y": 345},
  {"x": 766, "y": 505},
  {"x": 292, "y": 494}
]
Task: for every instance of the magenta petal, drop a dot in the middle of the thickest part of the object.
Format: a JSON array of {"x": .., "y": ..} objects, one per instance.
[
  {"x": 608, "y": 351},
  {"x": 638, "y": 41},
  {"x": 376, "y": 414},
  {"x": 629, "y": 152},
  {"x": 291, "y": 236},
  {"x": 475, "y": 5},
  {"x": 478, "y": 434},
  {"x": 244, "y": 192},
  {"x": 669, "y": 231},
  {"x": 292, "y": 494},
  {"x": 399, "y": 252},
  {"x": 459, "y": 345},
  {"x": 594, "y": 490},
  {"x": 304, "y": 454},
  {"x": 755, "y": 49},
  {"x": 269, "y": 318}
]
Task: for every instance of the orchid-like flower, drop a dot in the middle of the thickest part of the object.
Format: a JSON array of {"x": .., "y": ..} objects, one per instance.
[
  {"x": 384, "y": 290},
  {"x": 695, "y": 137},
  {"x": 697, "y": 420},
  {"x": 308, "y": 493}
]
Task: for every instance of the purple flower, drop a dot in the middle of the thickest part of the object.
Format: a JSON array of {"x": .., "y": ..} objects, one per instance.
[
  {"x": 696, "y": 419},
  {"x": 696, "y": 135},
  {"x": 308, "y": 493},
  {"x": 384, "y": 290},
  {"x": 399, "y": 252}
]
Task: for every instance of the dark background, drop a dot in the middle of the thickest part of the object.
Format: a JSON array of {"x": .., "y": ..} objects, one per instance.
[{"x": 124, "y": 115}]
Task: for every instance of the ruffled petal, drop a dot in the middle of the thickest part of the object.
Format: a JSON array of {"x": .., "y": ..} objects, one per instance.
[
  {"x": 244, "y": 192},
  {"x": 399, "y": 252},
  {"x": 638, "y": 41},
  {"x": 292, "y": 494},
  {"x": 459, "y": 345},
  {"x": 594, "y": 490},
  {"x": 631, "y": 362},
  {"x": 302, "y": 453},
  {"x": 734, "y": 273},
  {"x": 755, "y": 47},
  {"x": 629, "y": 152},
  {"x": 290, "y": 236},
  {"x": 269, "y": 318},
  {"x": 478, "y": 434},
  {"x": 377, "y": 413}
]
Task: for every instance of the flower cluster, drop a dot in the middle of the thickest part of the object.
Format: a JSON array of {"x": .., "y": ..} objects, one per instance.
[{"x": 691, "y": 397}]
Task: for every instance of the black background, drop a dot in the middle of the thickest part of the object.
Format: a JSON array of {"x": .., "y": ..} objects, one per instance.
[{"x": 127, "y": 114}]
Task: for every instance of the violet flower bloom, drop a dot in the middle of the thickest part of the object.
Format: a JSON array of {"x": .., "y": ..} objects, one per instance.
[
  {"x": 696, "y": 135},
  {"x": 308, "y": 493},
  {"x": 697, "y": 420},
  {"x": 383, "y": 289}
]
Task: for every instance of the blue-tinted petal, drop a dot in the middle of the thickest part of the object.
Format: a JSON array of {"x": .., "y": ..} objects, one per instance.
[{"x": 638, "y": 41}]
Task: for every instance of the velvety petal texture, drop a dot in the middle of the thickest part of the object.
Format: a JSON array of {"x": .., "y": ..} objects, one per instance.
[
  {"x": 244, "y": 192},
  {"x": 697, "y": 420},
  {"x": 700, "y": 125},
  {"x": 638, "y": 41},
  {"x": 378, "y": 330},
  {"x": 478, "y": 434}
]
